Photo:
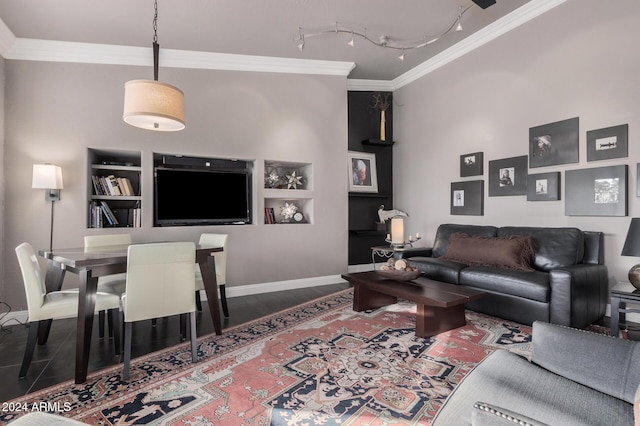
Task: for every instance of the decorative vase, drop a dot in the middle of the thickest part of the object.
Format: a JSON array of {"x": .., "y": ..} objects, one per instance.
[{"x": 383, "y": 120}]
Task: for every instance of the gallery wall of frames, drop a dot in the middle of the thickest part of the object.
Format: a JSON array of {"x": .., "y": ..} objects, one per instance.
[{"x": 591, "y": 191}]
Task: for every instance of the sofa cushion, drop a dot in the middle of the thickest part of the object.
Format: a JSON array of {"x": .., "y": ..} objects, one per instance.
[
  {"x": 441, "y": 242},
  {"x": 438, "y": 269},
  {"x": 554, "y": 247},
  {"x": 507, "y": 380},
  {"x": 512, "y": 252},
  {"x": 529, "y": 285},
  {"x": 601, "y": 370}
]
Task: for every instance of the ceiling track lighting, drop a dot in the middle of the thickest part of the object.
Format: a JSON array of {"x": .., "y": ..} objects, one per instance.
[
  {"x": 384, "y": 41},
  {"x": 150, "y": 104}
]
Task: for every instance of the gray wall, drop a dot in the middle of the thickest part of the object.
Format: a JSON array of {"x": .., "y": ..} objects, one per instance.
[
  {"x": 55, "y": 111},
  {"x": 580, "y": 59}
]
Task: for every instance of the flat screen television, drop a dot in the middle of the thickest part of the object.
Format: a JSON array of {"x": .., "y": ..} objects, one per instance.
[{"x": 201, "y": 197}]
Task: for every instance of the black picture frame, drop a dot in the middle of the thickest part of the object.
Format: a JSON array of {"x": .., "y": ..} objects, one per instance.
[
  {"x": 597, "y": 191},
  {"x": 543, "y": 187},
  {"x": 608, "y": 143},
  {"x": 554, "y": 143},
  {"x": 472, "y": 164},
  {"x": 467, "y": 198},
  {"x": 508, "y": 176}
]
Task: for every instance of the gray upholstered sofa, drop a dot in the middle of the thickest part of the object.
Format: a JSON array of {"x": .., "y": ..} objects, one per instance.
[
  {"x": 574, "y": 377},
  {"x": 564, "y": 283}
]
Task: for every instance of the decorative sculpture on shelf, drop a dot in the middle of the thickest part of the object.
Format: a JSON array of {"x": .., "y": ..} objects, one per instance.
[
  {"x": 385, "y": 215},
  {"x": 382, "y": 103},
  {"x": 293, "y": 181},
  {"x": 287, "y": 211}
]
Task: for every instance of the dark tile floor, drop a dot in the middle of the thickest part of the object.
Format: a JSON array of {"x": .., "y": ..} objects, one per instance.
[{"x": 54, "y": 362}]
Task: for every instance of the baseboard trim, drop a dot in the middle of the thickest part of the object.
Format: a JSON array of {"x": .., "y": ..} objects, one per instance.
[{"x": 247, "y": 290}]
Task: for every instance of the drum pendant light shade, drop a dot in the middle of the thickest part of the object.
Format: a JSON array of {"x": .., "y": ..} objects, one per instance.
[{"x": 152, "y": 105}]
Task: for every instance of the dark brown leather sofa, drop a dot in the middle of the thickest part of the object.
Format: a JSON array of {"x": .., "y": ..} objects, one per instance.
[{"x": 567, "y": 286}]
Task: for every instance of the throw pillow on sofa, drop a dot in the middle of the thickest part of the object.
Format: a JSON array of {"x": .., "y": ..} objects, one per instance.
[{"x": 514, "y": 252}]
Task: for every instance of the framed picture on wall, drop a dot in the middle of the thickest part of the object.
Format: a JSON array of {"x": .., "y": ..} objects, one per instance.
[
  {"x": 362, "y": 172},
  {"x": 467, "y": 198},
  {"x": 599, "y": 191},
  {"x": 471, "y": 164},
  {"x": 610, "y": 142},
  {"x": 508, "y": 176},
  {"x": 543, "y": 187},
  {"x": 554, "y": 143}
]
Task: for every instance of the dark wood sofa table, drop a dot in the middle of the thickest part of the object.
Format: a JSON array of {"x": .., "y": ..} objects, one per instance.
[{"x": 440, "y": 306}]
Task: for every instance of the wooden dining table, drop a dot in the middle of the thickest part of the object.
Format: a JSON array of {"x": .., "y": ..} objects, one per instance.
[{"x": 89, "y": 265}]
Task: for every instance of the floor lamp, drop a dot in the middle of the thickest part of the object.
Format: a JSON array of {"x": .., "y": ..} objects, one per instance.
[{"x": 48, "y": 177}]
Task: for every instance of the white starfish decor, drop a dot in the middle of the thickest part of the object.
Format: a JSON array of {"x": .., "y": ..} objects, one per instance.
[{"x": 293, "y": 181}]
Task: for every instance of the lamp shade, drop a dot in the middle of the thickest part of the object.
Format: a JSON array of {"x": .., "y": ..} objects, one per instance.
[
  {"x": 46, "y": 176},
  {"x": 152, "y": 105},
  {"x": 632, "y": 243}
]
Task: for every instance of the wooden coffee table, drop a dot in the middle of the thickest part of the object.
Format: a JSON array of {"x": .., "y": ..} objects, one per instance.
[{"x": 440, "y": 306}]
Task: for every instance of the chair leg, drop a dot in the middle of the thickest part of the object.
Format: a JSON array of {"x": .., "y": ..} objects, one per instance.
[
  {"x": 110, "y": 319},
  {"x": 127, "y": 349},
  {"x": 198, "y": 301},
  {"x": 183, "y": 328},
  {"x": 194, "y": 348},
  {"x": 114, "y": 328},
  {"x": 101, "y": 324},
  {"x": 223, "y": 300},
  {"x": 28, "y": 351}
]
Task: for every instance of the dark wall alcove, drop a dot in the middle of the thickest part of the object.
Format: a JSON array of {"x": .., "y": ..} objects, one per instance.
[{"x": 364, "y": 136}]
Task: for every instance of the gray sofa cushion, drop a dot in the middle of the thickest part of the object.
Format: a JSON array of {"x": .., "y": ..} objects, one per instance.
[
  {"x": 507, "y": 380},
  {"x": 555, "y": 247},
  {"x": 612, "y": 369},
  {"x": 438, "y": 269},
  {"x": 441, "y": 242},
  {"x": 529, "y": 285}
]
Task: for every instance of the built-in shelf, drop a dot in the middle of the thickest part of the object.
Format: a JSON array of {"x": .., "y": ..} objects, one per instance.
[
  {"x": 377, "y": 142},
  {"x": 114, "y": 199},
  {"x": 369, "y": 195},
  {"x": 287, "y": 184}
]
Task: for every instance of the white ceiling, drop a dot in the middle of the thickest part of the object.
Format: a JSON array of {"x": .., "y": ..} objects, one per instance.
[{"x": 265, "y": 28}]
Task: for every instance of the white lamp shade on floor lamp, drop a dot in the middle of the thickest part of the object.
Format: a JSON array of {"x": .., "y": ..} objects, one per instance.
[{"x": 152, "y": 105}]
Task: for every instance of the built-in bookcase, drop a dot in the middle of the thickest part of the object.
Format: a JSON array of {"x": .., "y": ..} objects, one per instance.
[{"x": 113, "y": 187}]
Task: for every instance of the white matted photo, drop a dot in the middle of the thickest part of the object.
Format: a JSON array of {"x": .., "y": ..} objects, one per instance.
[{"x": 362, "y": 172}]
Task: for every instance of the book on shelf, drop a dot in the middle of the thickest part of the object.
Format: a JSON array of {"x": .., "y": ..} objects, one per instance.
[
  {"x": 112, "y": 186},
  {"x": 109, "y": 214},
  {"x": 269, "y": 216}
]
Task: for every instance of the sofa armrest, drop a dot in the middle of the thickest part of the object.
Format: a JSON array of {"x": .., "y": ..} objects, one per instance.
[
  {"x": 484, "y": 414},
  {"x": 578, "y": 294},
  {"x": 604, "y": 363},
  {"x": 414, "y": 252}
]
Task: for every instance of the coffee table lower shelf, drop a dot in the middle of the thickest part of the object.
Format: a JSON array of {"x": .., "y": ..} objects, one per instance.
[{"x": 440, "y": 306}]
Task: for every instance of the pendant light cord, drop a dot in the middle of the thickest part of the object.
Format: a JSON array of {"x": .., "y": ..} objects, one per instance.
[{"x": 156, "y": 46}]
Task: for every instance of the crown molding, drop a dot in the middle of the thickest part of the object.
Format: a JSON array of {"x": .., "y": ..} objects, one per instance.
[
  {"x": 356, "y": 85},
  {"x": 63, "y": 51},
  {"x": 7, "y": 39},
  {"x": 501, "y": 26}
]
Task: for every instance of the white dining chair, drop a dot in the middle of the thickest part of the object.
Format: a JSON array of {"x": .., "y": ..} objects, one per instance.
[
  {"x": 115, "y": 283},
  {"x": 160, "y": 283},
  {"x": 43, "y": 306},
  {"x": 220, "y": 259}
]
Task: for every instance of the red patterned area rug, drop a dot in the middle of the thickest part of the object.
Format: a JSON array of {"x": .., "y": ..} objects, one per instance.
[{"x": 320, "y": 363}]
